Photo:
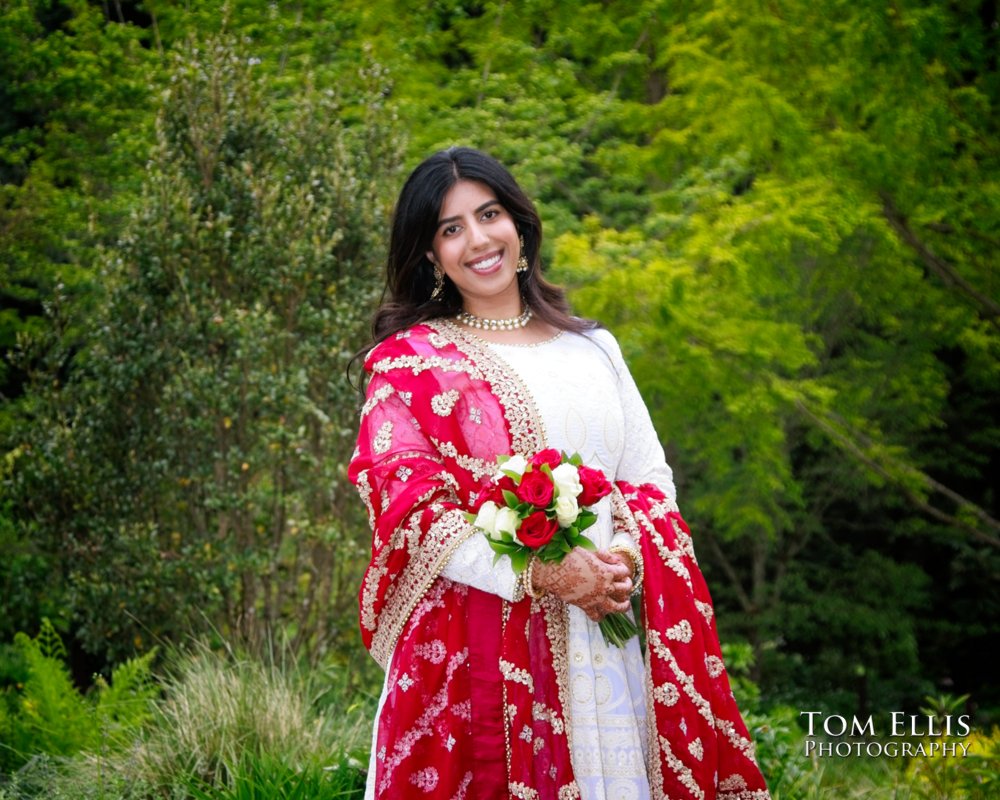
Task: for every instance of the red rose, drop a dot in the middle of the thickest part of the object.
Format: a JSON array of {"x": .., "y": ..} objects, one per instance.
[
  {"x": 595, "y": 486},
  {"x": 490, "y": 491},
  {"x": 505, "y": 484},
  {"x": 537, "y": 530},
  {"x": 536, "y": 488},
  {"x": 549, "y": 456}
]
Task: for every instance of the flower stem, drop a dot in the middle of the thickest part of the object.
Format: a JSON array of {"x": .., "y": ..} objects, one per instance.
[{"x": 617, "y": 629}]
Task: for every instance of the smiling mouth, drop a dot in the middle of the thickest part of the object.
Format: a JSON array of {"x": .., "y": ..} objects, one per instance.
[{"x": 486, "y": 264}]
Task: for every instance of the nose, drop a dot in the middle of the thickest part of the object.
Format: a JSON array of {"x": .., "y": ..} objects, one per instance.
[{"x": 477, "y": 235}]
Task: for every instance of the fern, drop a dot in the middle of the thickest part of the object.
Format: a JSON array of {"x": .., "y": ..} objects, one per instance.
[
  {"x": 126, "y": 704},
  {"x": 47, "y": 714}
]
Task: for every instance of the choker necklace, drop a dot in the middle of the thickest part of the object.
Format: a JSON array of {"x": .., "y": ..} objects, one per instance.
[{"x": 511, "y": 324}]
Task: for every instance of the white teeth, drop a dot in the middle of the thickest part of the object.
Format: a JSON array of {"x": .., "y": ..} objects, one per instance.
[{"x": 482, "y": 266}]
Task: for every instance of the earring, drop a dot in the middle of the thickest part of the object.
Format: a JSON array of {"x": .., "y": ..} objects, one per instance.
[
  {"x": 438, "y": 283},
  {"x": 522, "y": 261}
]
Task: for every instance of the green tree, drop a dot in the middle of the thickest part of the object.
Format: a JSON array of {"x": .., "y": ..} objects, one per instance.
[
  {"x": 75, "y": 98},
  {"x": 785, "y": 211},
  {"x": 192, "y": 471}
]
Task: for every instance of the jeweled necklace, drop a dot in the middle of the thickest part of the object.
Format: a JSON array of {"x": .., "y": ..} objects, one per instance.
[{"x": 510, "y": 324}]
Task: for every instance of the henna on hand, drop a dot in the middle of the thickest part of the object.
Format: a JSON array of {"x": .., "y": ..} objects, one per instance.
[{"x": 598, "y": 583}]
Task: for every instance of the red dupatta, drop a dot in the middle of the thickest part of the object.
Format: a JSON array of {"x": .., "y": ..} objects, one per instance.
[{"x": 477, "y": 686}]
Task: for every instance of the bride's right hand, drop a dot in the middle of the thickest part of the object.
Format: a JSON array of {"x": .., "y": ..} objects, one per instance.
[{"x": 584, "y": 579}]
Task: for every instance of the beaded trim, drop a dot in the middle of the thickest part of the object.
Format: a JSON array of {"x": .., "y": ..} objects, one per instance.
[
  {"x": 527, "y": 578},
  {"x": 483, "y": 324}
]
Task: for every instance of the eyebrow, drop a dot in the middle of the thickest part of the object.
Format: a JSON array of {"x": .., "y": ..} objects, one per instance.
[{"x": 479, "y": 210}]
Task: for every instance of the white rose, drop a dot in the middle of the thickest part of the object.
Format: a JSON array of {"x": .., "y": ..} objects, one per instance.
[
  {"x": 567, "y": 510},
  {"x": 486, "y": 519},
  {"x": 567, "y": 480},
  {"x": 507, "y": 521},
  {"x": 515, "y": 464}
]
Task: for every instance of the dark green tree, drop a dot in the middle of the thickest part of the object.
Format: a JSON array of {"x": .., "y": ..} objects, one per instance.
[{"x": 191, "y": 473}]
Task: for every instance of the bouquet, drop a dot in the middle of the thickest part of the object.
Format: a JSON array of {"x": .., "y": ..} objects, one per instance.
[{"x": 540, "y": 507}]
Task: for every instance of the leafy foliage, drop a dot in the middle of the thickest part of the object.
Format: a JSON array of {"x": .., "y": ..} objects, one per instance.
[
  {"x": 43, "y": 712},
  {"x": 786, "y": 212},
  {"x": 200, "y": 449}
]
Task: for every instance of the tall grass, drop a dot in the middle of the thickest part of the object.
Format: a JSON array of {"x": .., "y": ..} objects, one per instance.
[{"x": 228, "y": 727}]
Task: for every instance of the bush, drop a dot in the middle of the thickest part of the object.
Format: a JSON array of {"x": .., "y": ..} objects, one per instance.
[{"x": 191, "y": 472}]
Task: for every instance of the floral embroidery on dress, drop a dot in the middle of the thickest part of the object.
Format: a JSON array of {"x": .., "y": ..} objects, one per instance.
[
  {"x": 442, "y": 404},
  {"x": 476, "y": 415},
  {"x": 696, "y": 749},
  {"x": 406, "y": 682},
  {"x": 435, "y": 651},
  {"x": 681, "y": 632},
  {"x": 404, "y": 473},
  {"x": 383, "y": 439},
  {"x": 667, "y": 694},
  {"x": 426, "y": 779},
  {"x": 714, "y": 665}
]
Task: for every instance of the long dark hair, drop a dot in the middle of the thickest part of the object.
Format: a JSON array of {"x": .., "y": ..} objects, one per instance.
[{"x": 407, "y": 299}]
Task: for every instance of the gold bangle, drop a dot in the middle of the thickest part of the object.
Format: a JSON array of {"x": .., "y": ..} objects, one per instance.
[
  {"x": 528, "y": 576},
  {"x": 632, "y": 552}
]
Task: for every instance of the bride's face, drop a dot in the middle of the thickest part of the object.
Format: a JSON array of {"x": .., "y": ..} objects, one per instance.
[{"x": 476, "y": 244}]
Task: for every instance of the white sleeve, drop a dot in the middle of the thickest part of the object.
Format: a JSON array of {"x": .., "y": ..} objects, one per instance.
[
  {"x": 472, "y": 563},
  {"x": 643, "y": 460}
]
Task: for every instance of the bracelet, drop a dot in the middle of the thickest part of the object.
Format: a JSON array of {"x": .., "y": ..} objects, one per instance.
[
  {"x": 528, "y": 576},
  {"x": 632, "y": 552}
]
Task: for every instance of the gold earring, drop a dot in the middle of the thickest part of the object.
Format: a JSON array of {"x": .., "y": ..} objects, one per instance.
[
  {"x": 522, "y": 261},
  {"x": 438, "y": 283}
]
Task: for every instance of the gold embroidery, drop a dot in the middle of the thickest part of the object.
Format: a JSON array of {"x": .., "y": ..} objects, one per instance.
[
  {"x": 681, "y": 632},
  {"x": 685, "y": 680},
  {"x": 512, "y": 673},
  {"x": 683, "y": 773},
  {"x": 478, "y": 467},
  {"x": 654, "y": 766},
  {"x": 543, "y": 713},
  {"x": 745, "y": 746},
  {"x": 418, "y": 364},
  {"x": 667, "y": 694},
  {"x": 557, "y": 628},
  {"x": 522, "y": 792},
  {"x": 445, "y": 535},
  {"x": 527, "y": 431},
  {"x": 714, "y": 666},
  {"x": 569, "y": 792}
]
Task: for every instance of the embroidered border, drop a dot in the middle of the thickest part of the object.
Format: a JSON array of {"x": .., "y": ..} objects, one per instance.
[
  {"x": 447, "y": 532},
  {"x": 527, "y": 430}
]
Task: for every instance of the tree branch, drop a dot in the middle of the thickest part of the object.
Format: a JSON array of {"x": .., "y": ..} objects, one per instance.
[
  {"x": 857, "y": 450},
  {"x": 987, "y": 306},
  {"x": 745, "y": 602}
]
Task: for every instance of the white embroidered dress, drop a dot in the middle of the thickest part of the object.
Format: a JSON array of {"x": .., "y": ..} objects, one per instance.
[{"x": 590, "y": 405}]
